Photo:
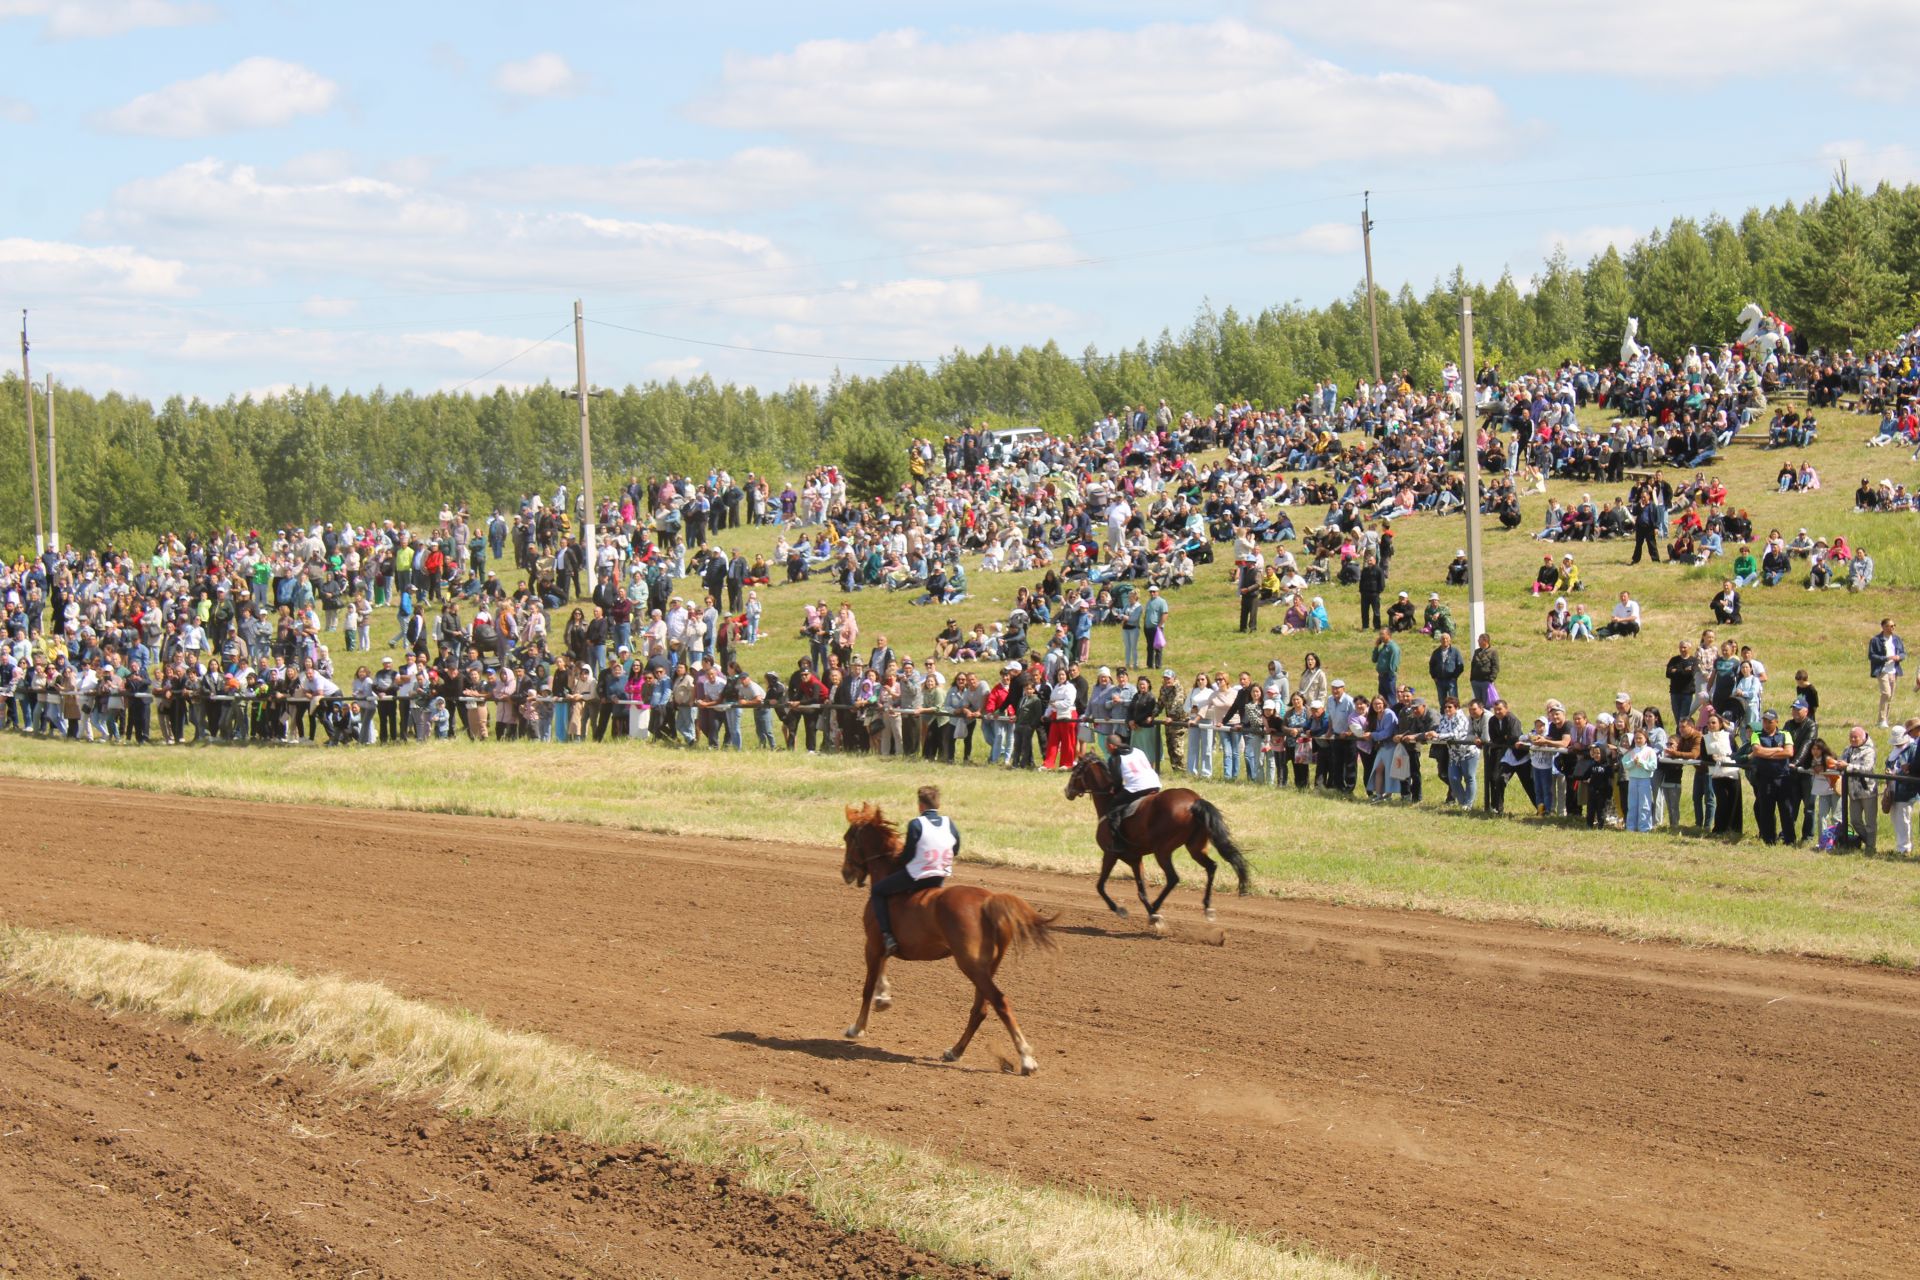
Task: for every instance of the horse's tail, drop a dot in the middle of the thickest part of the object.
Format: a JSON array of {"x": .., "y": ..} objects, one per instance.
[
  {"x": 1218, "y": 837},
  {"x": 1016, "y": 924}
]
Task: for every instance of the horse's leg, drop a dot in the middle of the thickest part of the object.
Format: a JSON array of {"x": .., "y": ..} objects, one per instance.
[
  {"x": 883, "y": 993},
  {"x": 1028, "y": 1065},
  {"x": 974, "y": 1020},
  {"x": 1197, "y": 847},
  {"x": 1140, "y": 884},
  {"x": 1165, "y": 859},
  {"x": 876, "y": 961},
  {"x": 1106, "y": 869}
]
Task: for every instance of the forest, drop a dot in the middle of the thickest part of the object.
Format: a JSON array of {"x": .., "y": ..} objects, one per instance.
[{"x": 1843, "y": 269}]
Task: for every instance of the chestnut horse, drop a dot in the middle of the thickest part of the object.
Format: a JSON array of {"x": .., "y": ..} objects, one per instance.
[
  {"x": 1160, "y": 824},
  {"x": 973, "y": 925}
]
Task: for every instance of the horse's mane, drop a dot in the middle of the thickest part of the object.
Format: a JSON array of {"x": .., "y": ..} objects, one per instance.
[{"x": 869, "y": 817}]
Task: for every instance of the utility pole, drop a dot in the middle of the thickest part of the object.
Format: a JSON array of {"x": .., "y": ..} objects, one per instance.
[
  {"x": 586, "y": 437},
  {"x": 1366, "y": 245},
  {"x": 53, "y": 475},
  {"x": 1470, "y": 462},
  {"x": 33, "y": 444}
]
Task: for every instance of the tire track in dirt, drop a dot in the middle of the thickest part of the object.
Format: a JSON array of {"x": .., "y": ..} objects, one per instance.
[{"x": 1439, "y": 1097}]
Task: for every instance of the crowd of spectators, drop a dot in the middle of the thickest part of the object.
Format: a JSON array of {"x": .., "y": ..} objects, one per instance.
[{"x": 232, "y": 637}]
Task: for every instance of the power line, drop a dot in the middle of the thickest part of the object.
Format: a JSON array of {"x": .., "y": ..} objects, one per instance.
[
  {"x": 765, "y": 351},
  {"x": 510, "y": 359}
]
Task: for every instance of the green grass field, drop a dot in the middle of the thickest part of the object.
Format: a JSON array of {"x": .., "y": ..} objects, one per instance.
[
  {"x": 1826, "y": 632},
  {"x": 1689, "y": 889}
]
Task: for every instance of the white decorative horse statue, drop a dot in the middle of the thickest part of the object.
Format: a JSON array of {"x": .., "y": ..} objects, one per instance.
[{"x": 1629, "y": 349}]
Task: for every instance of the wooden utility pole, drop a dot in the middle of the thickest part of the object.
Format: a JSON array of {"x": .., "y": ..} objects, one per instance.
[
  {"x": 53, "y": 476},
  {"x": 590, "y": 520},
  {"x": 1470, "y": 465},
  {"x": 1366, "y": 246},
  {"x": 33, "y": 443}
]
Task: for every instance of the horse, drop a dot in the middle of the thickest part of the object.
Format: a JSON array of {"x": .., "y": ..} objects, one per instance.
[
  {"x": 1160, "y": 824},
  {"x": 975, "y": 926}
]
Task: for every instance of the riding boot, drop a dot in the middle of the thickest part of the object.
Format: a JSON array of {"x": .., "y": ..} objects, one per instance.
[{"x": 888, "y": 944}]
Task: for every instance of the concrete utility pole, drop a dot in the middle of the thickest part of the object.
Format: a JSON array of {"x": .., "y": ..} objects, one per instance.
[
  {"x": 53, "y": 476},
  {"x": 586, "y": 436},
  {"x": 33, "y": 443},
  {"x": 1470, "y": 461},
  {"x": 1366, "y": 245}
]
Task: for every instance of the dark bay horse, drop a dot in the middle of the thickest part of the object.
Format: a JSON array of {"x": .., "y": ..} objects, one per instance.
[
  {"x": 1160, "y": 824},
  {"x": 974, "y": 926}
]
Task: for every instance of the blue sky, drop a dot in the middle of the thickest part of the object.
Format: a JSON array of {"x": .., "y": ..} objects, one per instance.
[{"x": 215, "y": 198}]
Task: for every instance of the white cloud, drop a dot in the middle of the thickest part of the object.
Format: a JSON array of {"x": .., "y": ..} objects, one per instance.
[
  {"x": 93, "y": 19},
  {"x": 1637, "y": 38},
  {"x": 239, "y": 218},
  {"x": 1186, "y": 98},
  {"x": 906, "y": 319},
  {"x": 755, "y": 177},
  {"x": 544, "y": 75},
  {"x": 90, "y": 375},
  {"x": 681, "y": 367},
  {"x": 1869, "y": 166},
  {"x": 49, "y": 268},
  {"x": 17, "y": 111},
  {"x": 960, "y": 232},
  {"x": 329, "y": 308},
  {"x": 255, "y": 93},
  {"x": 1330, "y": 239},
  {"x": 1585, "y": 242}
]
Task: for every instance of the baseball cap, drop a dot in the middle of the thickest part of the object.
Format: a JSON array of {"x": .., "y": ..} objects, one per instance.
[
  {"x": 1166, "y": 673},
  {"x": 1769, "y": 714},
  {"x": 1800, "y": 704},
  {"x": 1433, "y": 595},
  {"x": 1339, "y": 684}
]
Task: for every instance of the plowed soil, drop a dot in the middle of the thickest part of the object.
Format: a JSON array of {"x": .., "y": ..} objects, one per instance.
[
  {"x": 133, "y": 1148},
  {"x": 1436, "y": 1097}
]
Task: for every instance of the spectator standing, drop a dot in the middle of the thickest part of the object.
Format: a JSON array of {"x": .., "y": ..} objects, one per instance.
[
  {"x": 1483, "y": 671},
  {"x": 1885, "y": 654},
  {"x": 1773, "y": 786},
  {"x": 1859, "y": 788},
  {"x": 1903, "y": 759},
  {"x": 1386, "y": 664},
  {"x": 1153, "y": 622},
  {"x": 1445, "y": 664}
]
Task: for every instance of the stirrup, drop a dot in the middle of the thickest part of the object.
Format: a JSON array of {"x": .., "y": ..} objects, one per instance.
[{"x": 889, "y": 944}]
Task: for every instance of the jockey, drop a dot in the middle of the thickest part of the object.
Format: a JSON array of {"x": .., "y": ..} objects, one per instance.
[
  {"x": 931, "y": 843},
  {"x": 1134, "y": 778}
]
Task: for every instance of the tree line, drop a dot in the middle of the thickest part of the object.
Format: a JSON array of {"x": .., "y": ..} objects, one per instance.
[{"x": 1844, "y": 269}]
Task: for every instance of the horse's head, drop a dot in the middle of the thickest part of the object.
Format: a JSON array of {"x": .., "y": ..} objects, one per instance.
[
  {"x": 1088, "y": 775},
  {"x": 870, "y": 841}
]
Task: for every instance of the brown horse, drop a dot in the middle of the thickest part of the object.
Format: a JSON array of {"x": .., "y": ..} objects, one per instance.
[
  {"x": 1160, "y": 824},
  {"x": 974, "y": 926}
]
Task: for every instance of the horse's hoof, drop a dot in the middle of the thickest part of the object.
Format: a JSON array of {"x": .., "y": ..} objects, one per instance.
[
  {"x": 1120, "y": 911},
  {"x": 883, "y": 1003},
  {"x": 949, "y": 1056},
  {"x": 1159, "y": 925},
  {"x": 1028, "y": 1066},
  {"x": 1209, "y": 913},
  {"x": 854, "y": 1033}
]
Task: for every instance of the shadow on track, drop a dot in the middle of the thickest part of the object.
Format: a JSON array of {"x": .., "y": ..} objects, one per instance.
[{"x": 834, "y": 1050}]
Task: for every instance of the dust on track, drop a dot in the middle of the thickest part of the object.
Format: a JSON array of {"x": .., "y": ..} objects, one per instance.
[
  {"x": 1436, "y": 1097},
  {"x": 134, "y": 1147}
]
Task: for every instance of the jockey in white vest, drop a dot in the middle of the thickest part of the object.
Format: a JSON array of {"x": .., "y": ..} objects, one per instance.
[
  {"x": 1134, "y": 778},
  {"x": 932, "y": 842}
]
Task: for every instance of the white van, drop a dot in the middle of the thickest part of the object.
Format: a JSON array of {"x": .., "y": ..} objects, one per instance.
[{"x": 1007, "y": 442}]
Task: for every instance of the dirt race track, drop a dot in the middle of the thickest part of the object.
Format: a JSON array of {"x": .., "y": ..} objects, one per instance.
[
  {"x": 1439, "y": 1098},
  {"x": 134, "y": 1148}
]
